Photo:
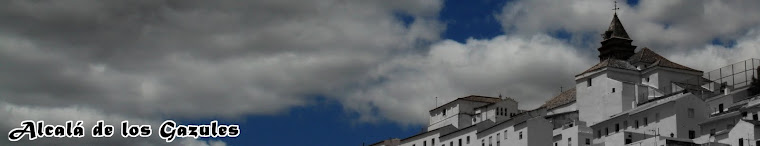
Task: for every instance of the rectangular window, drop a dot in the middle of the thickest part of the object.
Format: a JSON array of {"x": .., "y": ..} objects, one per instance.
[
  {"x": 741, "y": 141},
  {"x": 625, "y": 124},
  {"x": 606, "y": 131},
  {"x": 598, "y": 133},
  {"x": 460, "y": 141},
  {"x": 497, "y": 136},
  {"x": 520, "y": 134},
  {"x": 657, "y": 117},
  {"x": 646, "y": 121},
  {"x": 692, "y": 134},
  {"x": 468, "y": 139},
  {"x": 588, "y": 82},
  {"x": 569, "y": 141},
  {"x": 754, "y": 117},
  {"x": 613, "y": 90},
  {"x": 637, "y": 124},
  {"x": 588, "y": 141},
  {"x": 505, "y": 134},
  {"x": 712, "y": 131},
  {"x": 617, "y": 127},
  {"x": 691, "y": 112}
]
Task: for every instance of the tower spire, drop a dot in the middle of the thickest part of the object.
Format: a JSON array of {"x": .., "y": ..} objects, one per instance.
[{"x": 615, "y": 41}]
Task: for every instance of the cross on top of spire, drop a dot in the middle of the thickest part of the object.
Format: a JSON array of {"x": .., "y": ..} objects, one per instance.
[{"x": 615, "y": 8}]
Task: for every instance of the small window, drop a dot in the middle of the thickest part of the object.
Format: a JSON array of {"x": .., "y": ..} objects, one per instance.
[
  {"x": 432, "y": 142},
  {"x": 588, "y": 141},
  {"x": 468, "y": 139},
  {"x": 646, "y": 79},
  {"x": 691, "y": 112},
  {"x": 720, "y": 108},
  {"x": 646, "y": 121},
  {"x": 505, "y": 134},
  {"x": 424, "y": 143},
  {"x": 754, "y": 117},
  {"x": 451, "y": 143},
  {"x": 598, "y": 133},
  {"x": 613, "y": 90},
  {"x": 483, "y": 142},
  {"x": 444, "y": 112},
  {"x": 741, "y": 141},
  {"x": 520, "y": 134},
  {"x": 744, "y": 114},
  {"x": 569, "y": 141},
  {"x": 712, "y": 131},
  {"x": 460, "y": 141},
  {"x": 588, "y": 82},
  {"x": 692, "y": 134},
  {"x": 617, "y": 127},
  {"x": 497, "y": 136},
  {"x": 657, "y": 117},
  {"x": 637, "y": 124},
  {"x": 606, "y": 131}
]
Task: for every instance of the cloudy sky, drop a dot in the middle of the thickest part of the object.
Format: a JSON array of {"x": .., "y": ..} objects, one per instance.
[{"x": 323, "y": 72}]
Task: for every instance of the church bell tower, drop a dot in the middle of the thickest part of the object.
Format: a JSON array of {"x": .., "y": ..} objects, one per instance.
[{"x": 616, "y": 43}]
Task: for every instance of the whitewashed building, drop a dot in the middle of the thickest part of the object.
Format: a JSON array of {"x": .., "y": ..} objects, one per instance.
[{"x": 631, "y": 98}]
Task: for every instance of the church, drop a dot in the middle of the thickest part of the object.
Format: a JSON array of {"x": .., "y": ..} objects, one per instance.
[{"x": 629, "y": 98}]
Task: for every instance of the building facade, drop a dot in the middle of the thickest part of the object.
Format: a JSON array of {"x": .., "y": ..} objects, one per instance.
[{"x": 634, "y": 98}]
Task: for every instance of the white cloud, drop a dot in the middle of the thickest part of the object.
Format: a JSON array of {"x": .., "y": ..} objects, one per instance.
[{"x": 528, "y": 69}]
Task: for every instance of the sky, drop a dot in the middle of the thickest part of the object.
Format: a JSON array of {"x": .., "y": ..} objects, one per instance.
[{"x": 323, "y": 72}]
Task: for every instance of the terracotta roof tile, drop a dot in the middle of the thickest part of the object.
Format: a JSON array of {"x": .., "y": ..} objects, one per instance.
[
  {"x": 645, "y": 55},
  {"x": 563, "y": 98}
]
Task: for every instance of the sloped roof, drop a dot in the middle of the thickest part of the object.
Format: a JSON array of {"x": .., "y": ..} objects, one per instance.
[
  {"x": 616, "y": 29},
  {"x": 563, "y": 98},
  {"x": 477, "y": 98},
  {"x": 614, "y": 63},
  {"x": 647, "y": 56}
]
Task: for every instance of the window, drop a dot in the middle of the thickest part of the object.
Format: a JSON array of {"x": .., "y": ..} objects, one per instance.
[
  {"x": 646, "y": 121},
  {"x": 606, "y": 131},
  {"x": 555, "y": 144},
  {"x": 646, "y": 79},
  {"x": 598, "y": 133},
  {"x": 754, "y": 117},
  {"x": 451, "y": 143},
  {"x": 625, "y": 124},
  {"x": 712, "y": 131},
  {"x": 691, "y": 112},
  {"x": 617, "y": 127},
  {"x": 692, "y": 134},
  {"x": 498, "y": 143},
  {"x": 468, "y": 139},
  {"x": 569, "y": 141},
  {"x": 497, "y": 136},
  {"x": 588, "y": 82},
  {"x": 490, "y": 140},
  {"x": 520, "y": 134},
  {"x": 588, "y": 141},
  {"x": 483, "y": 142},
  {"x": 744, "y": 114},
  {"x": 637, "y": 124},
  {"x": 613, "y": 90},
  {"x": 432, "y": 142},
  {"x": 460, "y": 141},
  {"x": 424, "y": 143},
  {"x": 444, "y": 112},
  {"x": 498, "y": 111},
  {"x": 741, "y": 141},
  {"x": 720, "y": 108},
  {"x": 505, "y": 134},
  {"x": 657, "y": 117}
]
